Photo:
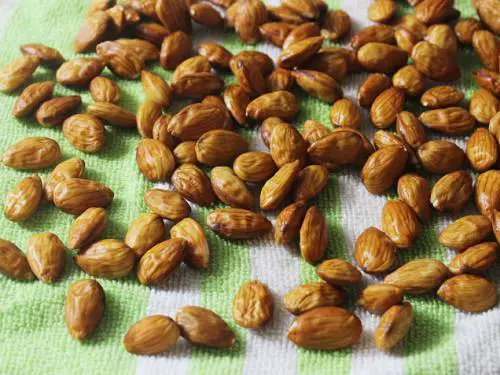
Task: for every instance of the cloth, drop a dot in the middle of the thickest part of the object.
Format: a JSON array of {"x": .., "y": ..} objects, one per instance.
[{"x": 33, "y": 336}]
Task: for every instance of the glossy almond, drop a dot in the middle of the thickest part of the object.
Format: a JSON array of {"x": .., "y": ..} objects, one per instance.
[
  {"x": 452, "y": 191},
  {"x": 174, "y": 14},
  {"x": 158, "y": 263},
  {"x": 470, "y": 293},
  {"x": 146, "y": 50},
  {"x": 378, "y": 298},
  {"x": 442, "y": 35},
  {"x": 53, "y": 112},
  {"x": 411, "y": 129},
  {"x": 465, "y": 29},
  {"x": 192, "y": 183},
  {"x": 410, "y": 80},
  {"x": 441, "y": 96},
  {"x": 103, "y": 89},
  {"x": 383, "y": 167},
  {"x": 486, "y": 194},
  {"x": 196, "y": 249},
  {"x": 168, "y": 204},
  {"x": 483, "y": 105},
  {"x": 152, "y": 335},
  {"x": 23, "y": 200},
  {"x": 216, "y": 54},
  {"x": 282, "y": 104},
  {"x": 299, "y": 52},
  {"x": 79, "y": 71},
  {"x": 277, "y": 187},
  {"x": 486, "y": 47},
  {"x": 309, "y": 296},
  {"x": 393, "y": 326},
  {"x": 313, "y": 235},
  {"x": 338, "y": 272},
  {"x": 342, "y": 146},
  {"x": 194, "y": 120},
  {"x": 335, "y": 25},
  {"x": 108, "y": 258},
  {"x": 85, "y": 132},
  {"x": 382, "y": 10},
  {"x": 372, "y": 87},
  {"x": 319, "y": 85},
  {"x": 465, "y": 232},
  {"x": 91, "y": 32},
  {"x": 488, "y": 80},
  {"x": 414, "y": 190},
  {"x": 381, "y": 57},
  {"x": 87, "y": 228},
  {"x": 71, "y": 168},
  {"x": 46, "y": 256},
  {"x": 254, "y": 166},
  {"x": 75, "y": 195},
  {"x": 230, "y": 189},
  {"x": 374, "y": 251},
  {"x": 476, "y": 259},
  {"x": 157, "y": 89},
  {"x": 238, "y": 223},
  {"x": 288, "y": 223},
  {"x": 49, "y": 57},
  {"x": 418, "y": 276},
  {"x": 32, "y": 153},
  {"x": 32, "y": 97},
  {"x": 155, "y": 160},
  {"x": 219, "y": 147},
  {"x": 373, "y": 34},
  {"x": 252, "y": 305},
  {"x": 434, "y": 62},
  {"x": 112, "y": 114},
  {"x": 185, "y": 153},
  {"x": 122, "y": 60},
  {"x": 400, "y": 223},
  {"x": 287, "y": 145},
  {"x": 145, "y": 231},
  {"x": 437, "y": 156},
  {"x": 386, "y": 107}
]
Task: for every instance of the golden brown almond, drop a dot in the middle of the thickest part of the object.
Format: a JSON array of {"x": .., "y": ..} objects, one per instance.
[
  {"x": 160, "y": 131},
  {"x": 85, "y": 132},
  {"x": 414, "y": 190},
  {"x": 452, "y": 191},
  {"x": 32, "y": 97},
  {"x": 216, "y": 54},
  {"x": 261, "y": 59},
  {"x": 450, "y": 121},
  {"x": 414, "y": 25},
  {"x": 418, "y": 276},
  {"x": 249, "y": 76},
  {"x": 482, "y": 150},
  {"x": 442, "y": 35},
  {"x": 206, "y": 15},
  {"x": 203, "y": 327},
  {"x": 97, "y": 5},
  {"x": 287, "y": 145},
  {"x": 174, "y": 14},
  {"x": 437, "y": 156},
  {"x": 108, "y": 258},
  {"x": 495, "y": 221},
  {"x": 147, "y": 114},
  {"x": 282, "y": 13},
  {"x": 275, "y": 32},
  {"x": 280, "y": 79},
  {"x": 486, "y": 47},
  {"x": 219, "y": 147},
  {"x": 17, "y": 73},
  {"x": 13, "y": 262},
  {"x": 486, "y": 192},
  {"x": 196, "y": 251},
  {"x": 410, "y": 80},
  {"x": 288, "y": 223},
  {"x": 383, "y": 167},
  {"x": 465, "y": 29},
  {"x": 309, "y": 296},
  {"x": 250, "y": 15},
  {"x": 313, "y": 235},
  {"x": 308, "y": 9},
  {"x": 197, "y": 85},
  {"x": 494, "y": 126},
  {"x": 374, "y": 251},
  {"x": 465, "y": 232},
  {"x": 146, "y": 50},
  {"x": 373, "y": 86},
  {"x": 434, "y": 62},
  {"x": 335, "y": 25},
  {"x": 381, "y": 57},
  {"x": 393, "y": 326},
  {"x": 152, "y": 32},
  {"x": 75, "y": 195},
  {"x": 475, "y": 259},
  {"x": 236, "y": 101},
  {"x": 112, "y": 114},
  {"x": 123, "y": 61},
  {"x": 253, "y": 305},
  {"x": 434, "y": 11},
  {"x": 87, "y": 228},
  {"x": 158, "y": 263},
  {"x": 32, "y": 153},
  {"x": 155, "y": 160},
  {"x": 373, "y": 34},
  {"x": 266, "y": 128},
  {"x": 157, "y": 89},
  {"x": 345, "y": 113},
  {"x": 46, "y": 256},
  {"x": 49, "y": 57},
  {"x": 400, "y": 223},
  {"x": 238, "y": 223},
  {"x": 23, "y": 200},
  {"x": 117, "y": 21},
  {"x": 326, "y": 328},
  {"x": 152, "y": 335},
  {"x": 332, "y": 62},
  {"x": 488, "y": 80},
  {"x": 489, "y": 14},
  {"x": 194, "y": 120},
  {"x": 310, "y": 182},
  {"x": 384, "y": 138},
  {"x": 168, "y": 204},
  {"x": 405, "y": 39},
  {"x": 230, "y": 189},
  {"x": 103, "y": 89},
  {"x": 278, "y": 186},
  {"x": 338, "y": 272},
  {"x": 53, "y": 112},
  {"x": 386, "y": 107},
  {"x": 319, "y": 85},
  {"x": 470, "y": 293},
  {"x": 84, "y": 308},
  {"x": 174, "y": 50},
  {"x": 145, "y": 232},
  {"x": 282, "y": 104},
  {"x": 254, "y": 166},
  {"x": 340, "y": 147},
  {"x": 299, "y": 52},
  {"x": 301, "y": 32},
  {"x": 184, "y": 153},
  {"x": 192, "y": 183},
  {"x": 411, "y": 129},
  {"x": 483, "y": 105},
  {"x": 79, "y": 71},
  {"x": 313, "y": 131},
  {"x": 378, "y": 298},
  {"x": 71, "y": 168},
  {"x": 92, "y": 31},
  {"x": 382, "y": 11}
]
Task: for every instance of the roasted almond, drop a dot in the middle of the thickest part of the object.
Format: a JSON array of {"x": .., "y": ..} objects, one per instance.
[
  {"x": 194, "y": 120},
  {"x": 483, "y": 105},
  {"x": 410, "y": 80},
  {"x": 465, "y": 29},
  {"x": 335, "y": 25},
  {"x": 372, "y": 87},
  {"x": 332, "y": 61},
  {"x": 79, "y": 71},
  {"x": 152, "y": 335},
  {"x": 486, "y": 47},
  {"x": 382, "y": 11},
  {"x": 319, "y": 85},
  {"x": 250, "y": 15},
  {"x": 152, "y": 32},
  {"x": 465, "y": 232},
  {"x": 32, "y": 153},
  {"x": 87, "y": 228},
  {"x": 160, "y": 261},
  {"x": 91, "y": 32},
  {"x": 381, "y": 57},
  {"x": 287, "y": 145},
  {"x": 437, "y": 156},
  {"x": 112, "y": 114},
  {"x": 486, "y": 193},
  {"x": 146, "y": 50},
  {"x": 345, "y": 113},
  {"x": 313, "y": 131},
  {"x": 275, "y": 32},
  {"x": 71, "y": 168},
  {"x": 452, "y": 191},
  {"x": 301, "y": 32},
  {"x": 174, "y": 50},
  {"x": 145, "y": 232},
  {"x": 108, "y": 258},
  {"x": 168, "y": 204},
  {"x": 309, "y": 296},
  {"x": 434, "y": 11},
  {"x": 191, "y": 182},
  {"x": 196, "y": 251},
  {"x": 393, "y": 326},
  {"x": 219, "y": 147},
  {"x": 310, "y": 182},
  {"x": 238, "y": 223},
  {"x": 252, "y": 305},
  {"x": 338, "y": 272},
  {"x": 46, "y": 256},
  {"x": 313, "y": 235},
  {"x": 386, "y": 107},
  {"x": 160, "y": 131},
  {"x": 249, "y": 76},
  {"x": 49, "y": 57},
  {"x": 288, "y": 222},
  {"x": 414, "y": 190},
  {"x": 374, "y": 251},
  {"x": 123, "y": 61},
  {"x": 18, "y": 72},
  {"x": 75, "y": 195},
  {"x": 373, "y": 34},
  {"x": 342, "y": 146},
  {"x": 443, "y": 36},
  {"x": 475, "y": 259},
  {"x": 400, "y": 223},
  {"x": 266, "y": 128},
  {"x": 411, "y": 129},
  {"x": 383, "y": 167},
  {"x": 488, "y": 80},
  {"x": 230, "y": 189},
  {"x": 103, "y": 89},
  {"x": 185, "y": 153},
  {"x": 470, "y": 293},
  {"x": 85, "y": 132},
  {"x": 236, "y": 101},
  {"x": 405, "y": 39},
  {"x": 277, "y": 187},
  {"x": 434, "y": 62},
  {"x": 174, "y": 14},
  {"x": 299, "y": 52},
  {"x": 157, "y": 89},
  {"x": 32, "y": 97},
  {"x": 206, "y": 15},
  {"x": 489, "y": 14},
  {"x": 23, "y": 200},
  {"x": 216, "y": 54},
  {"x": 13, "y": 262},
  {"x": 418, "y": 276},
  {"x": 378, "y": 298},
  {"x": 53, "y": 112}
]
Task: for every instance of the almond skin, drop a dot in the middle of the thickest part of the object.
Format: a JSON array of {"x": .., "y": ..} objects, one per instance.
[
  {"x": 174, "y": 50},
  {"x": 282, "y": 104},
  {"x": 192, "y": 183},
  {"x": 168, "y": 204},
  {"x": 383, "y": 167},
  {"x": 338, "y": 272},
  {"x": 152, "y": 335},
  {"x": 203, "y": 327},
  {"x": 310, "y": 182},
  {"x": 437, "y": 156},
  {"x": 157, "y": 89},
  {"x": 46, "y": 256},
  {"x": 372, "y": 87},
  {"x": 381, "y": 57},
  {"x": 452, "y": 191},
  {"x": 307, "y": 297},
  {"x": 465, "y": 232},
  {"x": 415, "y": 191},
  {"x": 219, "y": 147},
  {"x": 32, "y": 97},
  {"x": 470, "y": 293},
  {"x": 32, "y": 153},
  {"x": 160, "y": 261},
  {"x": 482, "y": 150},
  {"x": 87, "y": 228},
  {"x": 24, "y": 199},
  {"x": 434, "y": 62},
  {"x": 253, "y": 305},
  {"x": 145, "y": 232},
  {"x": 75, "y": 195},
  {"x": 85, "y": 132},
  {"x": 325, "y": 328},
  {"x": 278, "y": 186},
  {"x": 313, "y": 235},
  {"x": 418, "y": 276},
  {"x": 196, "y": 251},
  {"x": 84, "y": 308},
  {"x": 230, "y": 189},
  {"x": 71, "y": 168},
  {"x": 374, "y": 252},
  {"x": 393, "y": 326},
  {"x": 103, "y": 89},
  {"x": 488, "y": 80},
  {"x": 155, "y": 160},
  {"x": 288, "y": 222},
  {"x": 13, "y": 262},
  {"x": 486, "y": 193},
  {"x": 238, "y": 223},
  {"x": 386, "y": 107},
  {"x": 254, "y": 166},
  {"x": 476, "y": 259},
  {"x": 287, "y": 145},
  {"x": 378, "y": 298},
  {"x": 108, "y": 258}
]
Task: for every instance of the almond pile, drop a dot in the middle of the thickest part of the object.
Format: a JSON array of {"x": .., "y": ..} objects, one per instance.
[{"x": 203, "y": 135}]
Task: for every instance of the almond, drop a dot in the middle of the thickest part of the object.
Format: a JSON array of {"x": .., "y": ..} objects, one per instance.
[
  {"x": 288, "y": 222},
  {"x": 287, "y": 145},
  {"x": 313, "y": 235},
  {"x": 85, "y": 132},
  {"x": 381, "y": 57},
  {"x": 400, "y": 223},
  {"x": 345, "y": 113},
  {"x": 414, "y": 190},
  {"x": 53, "y": 112},
  {"x": 465, "y": 29},
  {"x": 168, "y": 204},
  {"x": 49, "y": 57},
  {"x": 486, "y": 47},
  {"x": 335, "y": 25},
  {"x": 418, "y": 276},
  {"x": 253, "y": 305},
  {"x": 373, "y": 34},
  {"x": 112, "y": 114},
  {"x": 374, "y": 251},
  {"x": 405, "y": 39},
  {"x": 382, "y": 10},
  {"x": 332, "y": 61},
  {"x": 438, "y": 156},
  {"x": 107, "y": 259},
  {"x": 280, "y": 79},
  {"x": 75, "y": 195},
  {"x": 87, "y": 228},
  {"x": 378, "y": 298},
  {"x": 452, "y": 191},
  {"x": 434, "y": 11},
  {"x": 236, "y": 101},
  {"x": 146, "y": 50},
  {"x": 470, "y": 293},
  {"x": 196, "y": 250},
  {"x": 249, "y": 76},
  {"x": 277, "y": 187},
  {"x": 46, "y": 256},
  {"x": 441, "y": 96},
  {"x": 32, "y": 153},
  {"x": 24, "y": 199},
  {"x": 157, "y": 89},
  {"x": 152, "y": 32},
  {"x": 486, "y": 192},
  {"x": 383, "y": 167},
  {"x": 338, "y": 272},
  {"x": 475, "y": 259},
  {"x": 160, "y": 261},
  {"x": 488, "y": 80},
  {"x": 465, "y": 232},
  {"x": 299, "y": 52},
  {"x": 313, "y": 131},
  {"x": 266, "y": 129},
  {"x": 238, "y": 223},
  {"x": 174, "y": 14},
  {"x": 91, "y": 32},
  {"x": 386, "y": 107},
  {"x": 145, "y": 232},
  {"x": 174, "y": 50},
  {"x": 152, "y": 335},
  {"x": 79, "y": 71},
  {"x": 206, "y": 15},
  {"x": 319, "y": 85},
  {"x": 443, "y": 36},
  {"x": 307, "y": 297},
  {"x": 192, "y": 183},
  {"x": 251, "y": 14},
  {"x": 434, "y": 62},
  {"x": 123, "y": 61},
  {"x": 219, "y": 147},
  {"x": 103, "y": 89},
  {"x": 275, "y": 32},
  {"x": 230, "y": 189},
  {"x": 17, "y": 73},
  {"x": 155, "y": 160},
  {"x": 160, "y": 131},
  {"x": 410, "y": 80},
  {"x": 216, "y": 54},
  {"x": 184, "y": 153},
  {"x": 393, "y": 326},
  {"x": 489, "y": 14},
  {"x": 411, "y": 129},
  {"x": 194, "y": 120},
  {"x": 372, "y": 87},
  {"x": 342, "y": 146},
  {"x": 301, "y": 32},
  {"x": 32, "y": 97},
  {"x": 13, "y": 262},
  {"x": 483, "y": 106},
  {"x": 71, "y": 168},
  {"x": 308, "y": 9}
]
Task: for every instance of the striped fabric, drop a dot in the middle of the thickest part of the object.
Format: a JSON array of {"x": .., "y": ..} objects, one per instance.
[{"x": 33, "y": 337}]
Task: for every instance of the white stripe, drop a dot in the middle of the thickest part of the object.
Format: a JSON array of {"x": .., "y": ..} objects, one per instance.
[{"x": 7, "y": 8}]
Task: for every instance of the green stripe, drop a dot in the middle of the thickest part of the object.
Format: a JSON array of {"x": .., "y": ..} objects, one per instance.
[
  {"x": 229, "y": 268},
  {"x": 33, "y": 335}
]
